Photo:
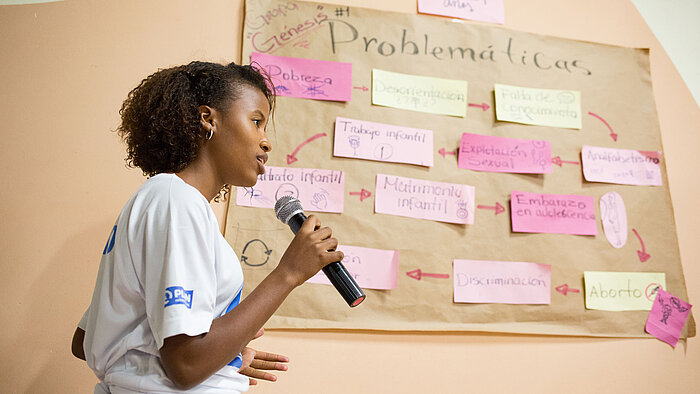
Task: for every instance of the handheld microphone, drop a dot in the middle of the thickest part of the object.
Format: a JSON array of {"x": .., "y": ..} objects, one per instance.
[{"x": 289, "y": 211}]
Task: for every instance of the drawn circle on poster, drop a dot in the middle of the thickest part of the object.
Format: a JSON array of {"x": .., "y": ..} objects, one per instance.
[
  {"x": 650, "y": 291},
  {"x": 539, "y": 143},
  {"x": 383, "y": 151},
  {"x": 254, "y": 256},
  {"x": 566, "y": 97},
  {"x": 287, "y": 189}
]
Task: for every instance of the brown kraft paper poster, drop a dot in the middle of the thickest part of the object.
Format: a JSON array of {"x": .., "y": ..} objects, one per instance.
[{"x": 615, "y": 86}]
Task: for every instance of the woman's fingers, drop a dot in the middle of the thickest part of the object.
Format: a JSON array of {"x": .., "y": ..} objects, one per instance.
[
  {"x": 271, "y": 357},
  {"x": 248, "y": 355},
  {"x": 312, "y": 223},
  {"x": 268, "y": 365},
  {"x": 257, "y": 374},
  {"x": 263, "y": 361},
  {"x": 269, "y": 361},
  {"x": 328, "y": 245},
  {"x": 260, "y": 333},
  {"x": 321, "y": 234}
]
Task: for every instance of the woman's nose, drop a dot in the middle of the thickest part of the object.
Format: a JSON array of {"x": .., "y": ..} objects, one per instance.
[{"x": 265, "y": 145}]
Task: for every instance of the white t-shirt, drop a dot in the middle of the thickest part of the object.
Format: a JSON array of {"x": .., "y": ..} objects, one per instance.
[{"x": 165, "y": 270}]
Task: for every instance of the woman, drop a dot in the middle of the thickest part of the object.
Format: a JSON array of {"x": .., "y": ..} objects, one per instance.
[{"x": 165, "y": 314}]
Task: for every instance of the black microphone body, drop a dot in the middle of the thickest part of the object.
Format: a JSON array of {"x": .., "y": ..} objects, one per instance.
[{"x": 336, "y": 272}]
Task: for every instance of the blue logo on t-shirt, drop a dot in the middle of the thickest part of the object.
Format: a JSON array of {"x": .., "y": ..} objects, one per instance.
[
  {"x": 238, "y": 361},
  {"x": 178, "y": 295},
  {"x": 110, "y": 240}
]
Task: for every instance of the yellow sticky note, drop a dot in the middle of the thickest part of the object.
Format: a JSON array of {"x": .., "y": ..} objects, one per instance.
[
  {"x": 622, "y": 291},
  {"x": 419, "y": 93},
  {"x": 541, "y": 107}
]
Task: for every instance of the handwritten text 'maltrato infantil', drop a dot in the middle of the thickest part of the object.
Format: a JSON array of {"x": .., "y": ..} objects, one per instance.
[
  {"x": 310, "y": 176},
  {"x": 343, "y": 33}
]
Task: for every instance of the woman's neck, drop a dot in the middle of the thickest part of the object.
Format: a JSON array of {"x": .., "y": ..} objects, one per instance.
[{"x": 200, "y": 176}]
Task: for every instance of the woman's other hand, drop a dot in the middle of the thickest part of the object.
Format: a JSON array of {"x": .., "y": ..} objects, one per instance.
[{"x": 256, "y": 363}]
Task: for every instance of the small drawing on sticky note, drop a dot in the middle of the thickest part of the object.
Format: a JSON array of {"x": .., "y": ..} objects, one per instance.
[
  {"x": 667, "y": 317},
  {"x": 614, "y": 218}
]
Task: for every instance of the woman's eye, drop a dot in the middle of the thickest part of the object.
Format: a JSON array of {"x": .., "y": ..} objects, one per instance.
[{"x": 257, "y": 122}]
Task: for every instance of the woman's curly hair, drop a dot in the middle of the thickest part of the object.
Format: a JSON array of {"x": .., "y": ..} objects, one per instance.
[{"x": 160, "y": 117}]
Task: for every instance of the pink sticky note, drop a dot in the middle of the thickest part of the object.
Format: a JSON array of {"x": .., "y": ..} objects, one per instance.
[
  {"x": 478, "y": 10},
  {"x": 553, "y": 213},
  {"x": 503, "y": 282},
  {"x": 500, "y": 154},
  {"x": 382, "y": 142},
  {"x": 318, "y": 190},
  {"x": 623, "y": 166},
  {"x": 371, "y": 268},
  {"x": 417, "y": 198},
  {"x": 307, "y": 78},
  {"x": 667, "y": 317}
]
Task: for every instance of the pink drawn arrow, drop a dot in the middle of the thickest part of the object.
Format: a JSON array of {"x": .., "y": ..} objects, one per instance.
[
  {"x": 293, "y": 157},
  {"x": 558, "y": 161},
  {"x": 363, "y": 194},
  {"x": 444, "y": 152},
  {"x": 498, "y": 208},
  {"x": 642, "y": 254},
  {"x": 418, "y": 274},
  {"x": 612, "y": 133},
  {"x": 564, "y": 289},
  {"x": 483, "y": 106},
  {"x": 363, "y": 88}
]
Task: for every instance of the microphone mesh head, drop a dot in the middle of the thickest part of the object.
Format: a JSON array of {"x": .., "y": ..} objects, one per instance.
[{"x": 286, "y": 207}]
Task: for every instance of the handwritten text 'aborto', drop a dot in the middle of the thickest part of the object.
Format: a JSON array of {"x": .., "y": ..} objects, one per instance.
[
  {"x": 553, "y": 213},
  {"x": 417, "y": 198},
  {"x": 371, "y": 268},
  {"x": 382, "y": 142},
  {"x": 500, "y": 154},
  {"x": 542, "y": 107},
  {"x": 307, "y": 78},
  {"x": 623, "y": 166},
  {"x": 622, "y": 291},
  {"x": 504, "y": 282},
  {"x": 419, "y": 93},
  {"x": 318, "y": 190}
]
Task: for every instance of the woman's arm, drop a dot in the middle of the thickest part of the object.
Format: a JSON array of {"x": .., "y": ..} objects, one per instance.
[
  {"x": 77, "y": 345},
  {"x": 189, "y": 360}
]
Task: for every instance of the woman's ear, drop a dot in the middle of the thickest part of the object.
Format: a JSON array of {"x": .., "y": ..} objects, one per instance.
[{"x": 206, "y": 117}]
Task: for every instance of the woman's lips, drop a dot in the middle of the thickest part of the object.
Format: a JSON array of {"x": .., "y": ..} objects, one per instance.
[{"x": 262, "y": 159}]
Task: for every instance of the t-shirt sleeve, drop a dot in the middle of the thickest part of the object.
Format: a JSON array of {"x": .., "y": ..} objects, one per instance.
[
  {"x": 83, "y": 320},
  {"x": 180, "y": 280}
]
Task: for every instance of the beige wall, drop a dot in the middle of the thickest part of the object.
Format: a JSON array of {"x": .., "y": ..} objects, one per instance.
[{"x": 67, "y": 66}]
